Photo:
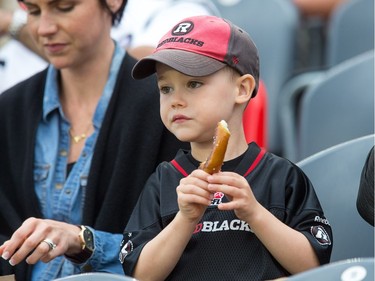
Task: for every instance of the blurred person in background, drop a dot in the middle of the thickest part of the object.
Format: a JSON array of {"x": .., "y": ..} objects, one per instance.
[
  {"x": 365, "y": 198},
  {"x": 311, "y": 37},
  {"x": 144, "y": 21},
  {"x": 317, "y": 8},
  {"x": 17, "y": 62}
]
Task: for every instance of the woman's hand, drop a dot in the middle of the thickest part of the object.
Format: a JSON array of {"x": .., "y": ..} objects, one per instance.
[{"x": 41, "y": 239}]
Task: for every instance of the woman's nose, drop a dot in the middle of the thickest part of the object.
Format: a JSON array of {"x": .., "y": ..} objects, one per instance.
[{"x": 47, "y": 25}]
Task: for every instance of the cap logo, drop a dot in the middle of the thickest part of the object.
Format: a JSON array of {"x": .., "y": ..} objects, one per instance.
[
  {"x": 178, "y": 33},
  {"x": 183, "y": 28}
]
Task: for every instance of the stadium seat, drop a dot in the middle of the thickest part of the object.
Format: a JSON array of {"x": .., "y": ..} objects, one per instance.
[
  {"x": 346, "y": 270},
  {"x": 336, "y": 107},
  {"x": 335, "y": 174},
  {"x": 96, "y": 276},
  {"x": 350, "y": 31}
]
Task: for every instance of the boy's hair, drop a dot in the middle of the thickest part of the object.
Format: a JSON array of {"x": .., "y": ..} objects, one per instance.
[{"x": 202, "y": 45}]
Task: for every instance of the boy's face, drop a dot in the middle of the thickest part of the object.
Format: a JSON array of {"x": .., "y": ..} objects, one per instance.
[{"x": 190, "y": 107}]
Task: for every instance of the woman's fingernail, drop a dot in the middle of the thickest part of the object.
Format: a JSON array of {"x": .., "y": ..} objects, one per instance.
[
  {"x": 5, "y": 255},
  {"x": 11, "y": 262}
]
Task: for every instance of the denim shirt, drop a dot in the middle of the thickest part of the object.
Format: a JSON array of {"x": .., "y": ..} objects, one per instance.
[{"x": 62, "y": 197}]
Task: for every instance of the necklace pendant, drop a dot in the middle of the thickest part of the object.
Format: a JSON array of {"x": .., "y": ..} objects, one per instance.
[{"x": 78, "y": 138}]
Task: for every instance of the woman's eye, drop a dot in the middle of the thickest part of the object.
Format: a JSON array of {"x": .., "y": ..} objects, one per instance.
[
  {"x": 194, "y": 84},
  {"x": 65, "y": 8},
  {"x": 33, "y": 12}
]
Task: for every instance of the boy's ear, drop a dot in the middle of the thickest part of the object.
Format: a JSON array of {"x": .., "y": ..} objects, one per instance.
[
  {"x": 246, "y": 84},
  {"x": 114, "y": 5}
]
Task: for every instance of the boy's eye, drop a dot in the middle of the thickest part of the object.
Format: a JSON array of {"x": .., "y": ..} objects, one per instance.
[
  {"x": 165, "y": 90},
  {"x": 194, "y": 84}
]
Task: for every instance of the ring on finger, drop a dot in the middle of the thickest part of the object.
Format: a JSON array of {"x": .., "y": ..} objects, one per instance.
[{"x": 50, "y": 243}]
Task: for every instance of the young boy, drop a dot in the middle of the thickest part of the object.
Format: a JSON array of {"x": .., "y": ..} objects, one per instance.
[{"x": 258, "y": 218}]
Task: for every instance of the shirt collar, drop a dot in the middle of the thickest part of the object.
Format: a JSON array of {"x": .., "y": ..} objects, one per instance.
[
  {"x": 51, "y": 93},
  {"x": 51, "y": 99}
]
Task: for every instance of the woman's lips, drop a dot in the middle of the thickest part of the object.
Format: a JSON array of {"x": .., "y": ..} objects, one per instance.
[{"x": 54, "y": 48}]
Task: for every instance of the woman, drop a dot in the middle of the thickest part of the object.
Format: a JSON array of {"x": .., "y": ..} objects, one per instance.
[{"x": 77, "y": 143}]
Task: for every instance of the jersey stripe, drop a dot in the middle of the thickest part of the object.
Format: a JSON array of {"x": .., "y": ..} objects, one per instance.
[
  {"x": 256, "y": 162},
  {"x": 251, "y": 168},
  {"x": 179, "y": 168}
]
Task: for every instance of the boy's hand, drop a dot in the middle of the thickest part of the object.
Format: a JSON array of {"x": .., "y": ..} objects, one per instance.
[
  {"x": 193, "y": 195},
  {"x": 238, "y": 191}
]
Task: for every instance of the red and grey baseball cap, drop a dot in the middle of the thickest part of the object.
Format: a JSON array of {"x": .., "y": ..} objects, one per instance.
[{"x": 201, "y": 45}]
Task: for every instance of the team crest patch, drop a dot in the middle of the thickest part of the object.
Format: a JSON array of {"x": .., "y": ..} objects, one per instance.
[
  {"x": 126, "y": 250},
  {"x": 320, "y": 235},
  {"x": 218, "y": 197}
]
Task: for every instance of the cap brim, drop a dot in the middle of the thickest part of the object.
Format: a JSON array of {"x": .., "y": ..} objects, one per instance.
[{"x": 188, "y": 63}]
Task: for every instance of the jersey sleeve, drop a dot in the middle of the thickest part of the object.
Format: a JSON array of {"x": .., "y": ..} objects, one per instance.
[
  {"x": 305, "y": 214},
  {"x": 144, "y": 224}
]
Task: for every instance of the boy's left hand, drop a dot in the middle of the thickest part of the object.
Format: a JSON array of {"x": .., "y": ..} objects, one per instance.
[{"x": 237, "y": 190}]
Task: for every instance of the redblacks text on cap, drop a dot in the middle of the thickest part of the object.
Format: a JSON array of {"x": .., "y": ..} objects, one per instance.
[{"x": 202, "y": 45}]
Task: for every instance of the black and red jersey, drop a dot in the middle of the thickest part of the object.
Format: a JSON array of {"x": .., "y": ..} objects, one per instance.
[{"x": 222, "y": 246}]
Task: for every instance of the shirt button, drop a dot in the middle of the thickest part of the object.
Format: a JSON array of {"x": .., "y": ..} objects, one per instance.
[
  {"x": 63, "y": 153},
  {"x": 68, "y": 191},
  {"x": 58, "y": 186}
]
